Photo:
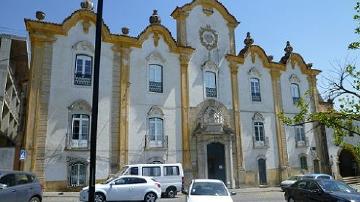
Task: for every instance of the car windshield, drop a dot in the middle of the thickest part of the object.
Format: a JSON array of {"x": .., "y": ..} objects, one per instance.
[
  {"x": 209, "y": 188},
  {"x": 336, "y": 186}
]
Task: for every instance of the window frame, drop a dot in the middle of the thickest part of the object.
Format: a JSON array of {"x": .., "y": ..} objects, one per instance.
[
  {"x": 81, "y": 120},
  {"x": 83, "y": 72},
  {"x": 303, "y": 159},
  {"x": 295, "y": 98},
  {"x": 300, "y": 133},
  {"x": 161, "y": 77},
  {"x": 255, "y": 96},
  {"x": 205, "y": 81},
  {"x": 78, "y": 165},
  {"x": 158, "y": 140},
  {"x": 260, "y": 126}
]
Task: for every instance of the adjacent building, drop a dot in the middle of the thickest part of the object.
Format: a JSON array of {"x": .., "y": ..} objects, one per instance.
[
  {"x": 14, "y": 70},
  {"x": 192, "y": 99}
]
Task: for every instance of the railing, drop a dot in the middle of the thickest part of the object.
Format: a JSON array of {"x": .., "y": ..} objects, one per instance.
[
  {"x": 211, "y": 92},
  {"x": 76, "y": 144},
  {"x": 261, "y": 144},
  {"x": 152, "y": 142},
  {"x": 302, "y": 143},
  {"x": 156, "y": 87}
]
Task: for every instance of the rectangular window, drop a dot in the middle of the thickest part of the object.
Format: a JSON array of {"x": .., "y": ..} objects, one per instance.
[
  {"x": 255, "y": 89},
  {"x": 156, "y": 133},
  {"x": 151, "y": 171},
  {"x": 80, "y": 130},
  {"x": 300, "y": 133},
  {"x": 83, "y": 70},
  {"x": 259, "y": 132},
  {"x": 77, "y": 174},
  {"x": 171, "y": 171},
  {"x": 155, "y": 78},
  {"x": 295, "y": 92},
  {"x": 210, "y": 84},
  {"x": 303, "y": 163}
]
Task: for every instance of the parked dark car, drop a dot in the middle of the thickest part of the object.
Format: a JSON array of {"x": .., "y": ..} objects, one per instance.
[
  {"x": 325, "y": 190},
  {"x": 18, "y": 186}
]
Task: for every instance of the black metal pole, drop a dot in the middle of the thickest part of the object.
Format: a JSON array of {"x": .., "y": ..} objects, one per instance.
[{"x": 95, "y": 101}]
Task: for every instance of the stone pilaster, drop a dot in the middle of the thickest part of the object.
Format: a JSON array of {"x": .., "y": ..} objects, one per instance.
[
  {"x": 38, "y": 101},
  {"x": 232, "y": 38},
  {"x": 124, "y": 105},
  {"x": 238, "y": 141},
  {"x": 181, "y": 28},
  {"x": 280, "y": 132},
  {"x": 184, "y": 83}
]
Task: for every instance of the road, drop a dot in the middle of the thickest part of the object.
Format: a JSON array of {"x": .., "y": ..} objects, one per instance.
[{"x": 254, "y": 195}]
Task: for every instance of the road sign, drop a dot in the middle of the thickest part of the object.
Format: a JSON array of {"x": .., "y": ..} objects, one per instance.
[{"x": 22, "y": 154}]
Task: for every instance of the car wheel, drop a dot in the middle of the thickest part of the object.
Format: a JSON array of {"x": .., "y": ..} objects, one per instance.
[
  {"x": 99, "y": 197},
  {"x": 171, "y": 192},
  {"x": 35, "y": 199},
  {"x": 291, "y": 199},
  {"x": 150, "y": 197}
]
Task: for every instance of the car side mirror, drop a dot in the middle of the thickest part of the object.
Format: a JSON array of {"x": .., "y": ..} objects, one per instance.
[
  {"x": 112, "y": 183},
  {"x": 3, "y": 186},
  {"x": 232, "y": 193},
  {"x": 185, "y": 192}
]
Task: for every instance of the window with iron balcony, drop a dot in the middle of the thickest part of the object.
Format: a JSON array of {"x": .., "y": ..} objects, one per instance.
[
  {"x": 83, "y": 70},
  {"x": 295, "y": 92},
  {"x": 210, "y": 84},
  {"x": 80, "y": 125},
  {"x": 155, "y": 78},
  {"x": 255, "y": 89}
]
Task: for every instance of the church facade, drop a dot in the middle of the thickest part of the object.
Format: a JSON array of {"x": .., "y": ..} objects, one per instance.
[{"x": 193, "y": 100}]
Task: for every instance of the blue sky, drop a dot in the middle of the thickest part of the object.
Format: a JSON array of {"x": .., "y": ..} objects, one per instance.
[{"x": 319, "y": 30}]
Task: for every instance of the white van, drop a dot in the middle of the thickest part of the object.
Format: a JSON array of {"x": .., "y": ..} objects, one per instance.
[{"x": 170, "y": 176}]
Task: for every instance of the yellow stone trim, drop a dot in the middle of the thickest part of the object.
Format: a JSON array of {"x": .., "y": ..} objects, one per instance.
[
  {"x": 297, "y": 59},
  {"x": 178, "y": 12},
  {"x": 236, "y": 102},
  {"x": 184, "y": 82},
  {"x": 280, "y": 132},
  {"x": 124, "y": 104}
]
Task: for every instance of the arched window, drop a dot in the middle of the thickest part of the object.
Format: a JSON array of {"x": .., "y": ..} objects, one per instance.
[
  {"x": 155, "y": 78},
  {"x": 303, "y": 162},
  {"x": 210, "y": 84},
  {"x": 295, "y": 92},
  {"x": 255, "y": 89},
  {"x": 155, "y": 136},
  {"x": 83, "y": 70},
  {"x": 77, "y": 175},
  {"x": 259, "y": 131},
  {"x": 79, "y": 125}
]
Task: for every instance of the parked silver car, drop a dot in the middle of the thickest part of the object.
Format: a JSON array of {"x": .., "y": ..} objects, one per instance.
[{"x": 18, "y": 186}]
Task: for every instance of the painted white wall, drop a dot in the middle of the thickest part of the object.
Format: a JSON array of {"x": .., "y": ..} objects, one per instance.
[
  {"x": 63, "y": 93},
  {"x": 141, "y": 101},
  {"x": 194, "y": 22}
]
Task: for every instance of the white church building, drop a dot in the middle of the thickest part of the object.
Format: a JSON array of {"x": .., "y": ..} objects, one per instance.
[{"x": 187, "y": 97}]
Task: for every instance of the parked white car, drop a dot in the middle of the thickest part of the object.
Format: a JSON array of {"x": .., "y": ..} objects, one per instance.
[
  {"x": 206, "y": 190},
  {"x": 170, "y": 176},
  {"x": 125, "y": 188}
]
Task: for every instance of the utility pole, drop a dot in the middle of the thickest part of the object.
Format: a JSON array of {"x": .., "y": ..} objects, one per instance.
[{"x": 95, "y": 101}]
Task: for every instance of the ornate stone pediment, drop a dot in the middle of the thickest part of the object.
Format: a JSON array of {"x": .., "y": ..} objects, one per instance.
[
  {"x": 294, "y": 79},
  {"x": 84, "y": 46},
  {"x": 210, "y": 65},
  {"x": 80, "y": 105}
]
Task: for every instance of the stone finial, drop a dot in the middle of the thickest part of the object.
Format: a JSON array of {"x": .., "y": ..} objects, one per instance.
[
  {"x": 40, "y": 15},
  {"x": 248, "y": 41},
  {"x": 270, "y": 57},
  {"x": 288, "y": 49},
  {"x": 155, "y": 18},
  {"x": 125, "y": 30},
  {"x": 87, "y": 4},
  {"x": 309, "y": 65}
]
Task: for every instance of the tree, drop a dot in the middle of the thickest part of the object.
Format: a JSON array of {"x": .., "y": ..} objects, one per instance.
[{"x": 344, "y": 89}]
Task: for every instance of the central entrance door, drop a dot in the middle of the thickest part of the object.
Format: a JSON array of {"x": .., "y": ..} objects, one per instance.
[
  {"x": 262, "y": 171},
  {"x": 216, "y": 161},
  {"x": 347, "y": 164}
]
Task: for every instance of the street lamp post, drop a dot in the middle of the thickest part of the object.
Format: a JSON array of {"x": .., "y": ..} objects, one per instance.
[{"x": 95, "y": 101}]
